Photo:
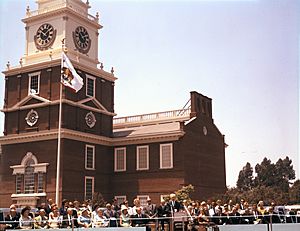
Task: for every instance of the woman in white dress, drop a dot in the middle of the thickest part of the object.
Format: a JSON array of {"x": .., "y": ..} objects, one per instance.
[{"x": 100, "y": 220}]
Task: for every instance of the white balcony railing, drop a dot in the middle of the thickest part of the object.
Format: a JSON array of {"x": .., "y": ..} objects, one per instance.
[
  {"x": 64, "y": 3},
  {"x": 180, "y": 114}
]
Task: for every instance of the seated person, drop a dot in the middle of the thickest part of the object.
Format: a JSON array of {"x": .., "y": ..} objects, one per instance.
[
  {"x": 12, "y": 219},
  {"x": 41, "y": 221},
  {"x": 125, "y": 220},
  {"x": 140, "y": 220},
  {"x": 69, "y": 219},
  {"x": 100, "y": 220},
  {"x": 26, "y": 221},
  {"x": 84, "y": 220},
  {"x": 54, "y": 220}
]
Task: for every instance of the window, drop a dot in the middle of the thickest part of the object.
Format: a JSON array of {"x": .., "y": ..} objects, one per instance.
[
  {"x": 90, "y": 157},
  {"x": 30, "y": 175},
  {"x": 34, "y": 83},
  {"x": 120, "y": 159},
  {"x": 89, "y": 187},
  {"x": 90, "y": 86},
  {"x": 120, "y": 199},
  {"x": 166, "y": 156},
  {"x": 143, "y": 199},
  {"x": 164, "y": 196},
  {"x": 40, "y": 183},
  {"x": 142, "y": 157},
  {"x": 19, "y": 179}
]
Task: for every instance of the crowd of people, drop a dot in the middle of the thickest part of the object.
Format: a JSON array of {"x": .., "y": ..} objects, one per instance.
[{"x": 85, "y": 215}]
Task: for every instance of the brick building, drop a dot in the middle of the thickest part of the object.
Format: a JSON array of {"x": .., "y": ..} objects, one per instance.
[{"x": 144, "y": 155}]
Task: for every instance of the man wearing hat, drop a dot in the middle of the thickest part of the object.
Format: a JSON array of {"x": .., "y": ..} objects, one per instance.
[
  {"x": 150, "y": 209},
  {"x": 12, "y": 219}
]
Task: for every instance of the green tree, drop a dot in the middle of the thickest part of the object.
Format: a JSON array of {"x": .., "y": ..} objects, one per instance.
[
  {"x": 294, "y": 193},
  {"x": 245, "y": 179},
  {"x": 284, "y": 173},
  {"x": 184, "y": 193},
  {"x": 265, "y": 174}
]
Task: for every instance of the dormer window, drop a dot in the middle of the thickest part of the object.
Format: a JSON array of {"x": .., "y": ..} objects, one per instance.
[
  {"x": 34, "y": 83},
  {"x": 90, "y": 86}
]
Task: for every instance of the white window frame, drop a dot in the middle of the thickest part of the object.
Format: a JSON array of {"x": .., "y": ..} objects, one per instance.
[
  {"x": 160, "y": 156},
  {"x": 164, "y": 196},
  {"x": 120, "y": 199},
  {"x": 143, "y": 199},
  {"x": 86, "y": 157},
  {"x": 93, "y": 186},
  {"x": 115, "y": 160},
  {"x": 138, "y": 158},
  {"x": 94, "y": 86},
  {"x": 38, "y": 74}
]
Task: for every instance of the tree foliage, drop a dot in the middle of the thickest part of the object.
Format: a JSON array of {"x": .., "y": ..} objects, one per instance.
[
  {"x": 183, "y": 194},
  {"x": 245, "y": 179},
  {"x": 98, "y": 199},
  {"x": 273, "y": 182},
  {"x": 265, "y": 174}
]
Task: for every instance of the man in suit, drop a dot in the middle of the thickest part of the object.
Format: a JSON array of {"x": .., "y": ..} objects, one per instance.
[
  {"x": 111, "y": 214},
  {"x": 164, "y": 214},
  {"x": 140, "y": 220},
  {"x": 12, "y": 218},
  {"x": 173, "y": 204},
  {"x": 69, "y": 218},
  {"x": 150, "y": 209}
]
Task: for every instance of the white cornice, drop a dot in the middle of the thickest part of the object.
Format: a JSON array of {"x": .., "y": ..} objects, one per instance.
[
  {"x": 89, "y": 138},
  {"x": 56, "y": 62},
  {"x": 28, "y": 195},
  {"x": 61, "y": 11},
  {"x": 55, "y": 102}
]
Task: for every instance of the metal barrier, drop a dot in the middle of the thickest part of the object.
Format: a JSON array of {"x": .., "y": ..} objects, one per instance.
[{"x": 261, "y": 227}]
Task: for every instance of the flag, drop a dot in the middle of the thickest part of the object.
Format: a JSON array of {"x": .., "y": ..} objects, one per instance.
[{"x": 69, "y": 76}]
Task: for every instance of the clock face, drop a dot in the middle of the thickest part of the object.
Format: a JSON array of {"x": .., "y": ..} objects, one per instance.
[
  {"x": 82, "y": 39},
  {"x": 45, "y": 36}
]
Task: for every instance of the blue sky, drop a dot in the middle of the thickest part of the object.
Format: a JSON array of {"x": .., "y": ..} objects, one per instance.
[{"x": 242, "y": 54}]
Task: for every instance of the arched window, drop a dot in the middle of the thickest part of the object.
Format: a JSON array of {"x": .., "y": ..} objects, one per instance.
[{"x": 30, "y": 175}]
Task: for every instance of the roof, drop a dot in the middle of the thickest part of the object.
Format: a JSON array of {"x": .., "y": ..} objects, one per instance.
[{"x": 148, "y": 130}]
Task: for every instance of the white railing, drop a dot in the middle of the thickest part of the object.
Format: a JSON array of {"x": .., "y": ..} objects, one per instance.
[
  {"x": 181, "y": 113},
  {"x": 64, "y": 3}
]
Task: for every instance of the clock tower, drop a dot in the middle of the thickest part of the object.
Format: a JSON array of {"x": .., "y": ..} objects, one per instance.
[{"x": 28, "y": 170}]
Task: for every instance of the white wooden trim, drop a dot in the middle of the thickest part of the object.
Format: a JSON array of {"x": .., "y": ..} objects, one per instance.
[
  {"x": 122, "y": 197},
  {"x": 160, "y": 155},
  {"x": 115, "y": 160},
  {"x": 142, "y": 196},
  {"x": 93, "y": 185},
  {"x": 93, "y": 164},
  {"x": 138, "y": 157},
  {"x": 38, "y": 74},
  {"x": 86, "y": 86}
]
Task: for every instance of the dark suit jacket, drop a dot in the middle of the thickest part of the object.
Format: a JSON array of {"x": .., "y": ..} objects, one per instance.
[
  {"x": 66, "y": 222},
  {"x": 174, "y": 205},
  {"x": 139, "y": 222},
  {"x": 150, "y": 210},
  {"x": 12, "y": 222},
  {"x": 163, "y": 211}
]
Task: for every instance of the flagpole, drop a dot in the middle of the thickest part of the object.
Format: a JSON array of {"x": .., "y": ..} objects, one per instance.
[
  {"x": 58, "y": 147},
  {"x": 58, "y": 142}
]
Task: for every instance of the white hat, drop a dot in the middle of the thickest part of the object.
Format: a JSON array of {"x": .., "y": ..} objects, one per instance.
[{"x": 123, "y": 207}]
